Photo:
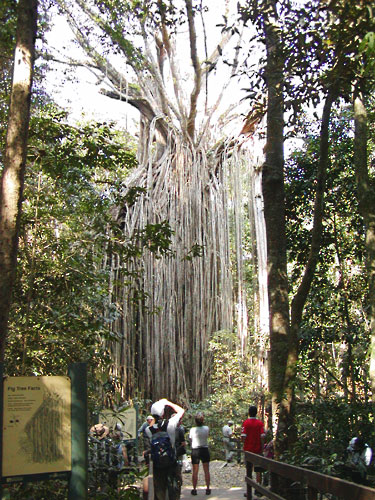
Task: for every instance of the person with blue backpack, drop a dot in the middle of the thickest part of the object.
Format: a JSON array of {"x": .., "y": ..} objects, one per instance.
[{"x": 162, "y": 435}]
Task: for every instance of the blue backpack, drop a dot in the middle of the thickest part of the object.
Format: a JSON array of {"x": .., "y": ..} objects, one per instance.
[{"x": 162, "y": 452}]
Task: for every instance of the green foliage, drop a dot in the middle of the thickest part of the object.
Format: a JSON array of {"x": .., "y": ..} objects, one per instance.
[
  {"x": 233, "y": 387},
  {"x": 40, "y": 490},
  {"x": 8, "y": 18},
  {"x": 324, "y": 431},
  {"x": 128, "y": 481},
  {"x": 334, "y": 334},
  {"x": 62, "y": 311},
  {"x": 333, "y": 383},
  {"x": 132, "y": 195},
  {"x": 156, "y": 237},
  {"x": 72, "y": 181}
]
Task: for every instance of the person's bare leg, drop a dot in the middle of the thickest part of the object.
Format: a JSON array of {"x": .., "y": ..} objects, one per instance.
[
  {"x": 145, "y": 488},
  {"x": 206, "y": 468},
  {"x": 195, "y": 475}
]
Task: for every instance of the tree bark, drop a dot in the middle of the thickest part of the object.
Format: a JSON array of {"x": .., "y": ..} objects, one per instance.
[
  {"x": 12, "y": 179},
  {"x": 274, "y": 213},
  {"x": 366, "y": 198},
  {"x": 197, "y": 71}
]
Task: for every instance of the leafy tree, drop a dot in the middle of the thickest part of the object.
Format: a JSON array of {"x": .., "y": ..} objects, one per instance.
[
  {"x": 334, "y": 310},
  {"x": 8, "y": 16},
  {"x": 73, "y": 184},
  {"x": 310, "y": 49}
]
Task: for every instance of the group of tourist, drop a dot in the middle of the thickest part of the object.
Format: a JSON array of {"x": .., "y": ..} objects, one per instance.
[{"x": 164, "y": 444}]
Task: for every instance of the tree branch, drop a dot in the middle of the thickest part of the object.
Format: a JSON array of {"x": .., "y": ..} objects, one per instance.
[
  {"x": 144, "y": 108},
  {"x": 300, "y": 297},
  {"x": 197, "y": 70},
  {"x": 169, "y": 47}
]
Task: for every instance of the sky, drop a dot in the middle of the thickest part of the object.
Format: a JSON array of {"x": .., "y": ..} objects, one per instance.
[{"x": 78, "y": 90}]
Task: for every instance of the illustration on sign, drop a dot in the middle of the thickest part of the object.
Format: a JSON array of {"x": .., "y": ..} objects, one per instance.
[{"x": 36, "y": 425}]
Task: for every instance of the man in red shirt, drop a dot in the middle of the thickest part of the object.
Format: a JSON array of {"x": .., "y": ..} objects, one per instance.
[{"x": 252, "y": 435}]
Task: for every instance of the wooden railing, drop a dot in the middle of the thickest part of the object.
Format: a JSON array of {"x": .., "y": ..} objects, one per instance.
[{"x": 310, "y": 483}]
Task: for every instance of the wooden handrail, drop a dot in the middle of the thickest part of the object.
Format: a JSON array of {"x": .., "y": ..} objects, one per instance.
[{"x": 315, "y": 481}]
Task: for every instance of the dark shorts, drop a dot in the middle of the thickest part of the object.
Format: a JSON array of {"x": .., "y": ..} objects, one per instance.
[
  {"x": 198, "y": 454},
  {"x": 259, "y": 469},
  {"x": 256, "y": 467}
]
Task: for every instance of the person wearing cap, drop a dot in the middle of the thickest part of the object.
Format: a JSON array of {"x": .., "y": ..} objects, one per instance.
[
  {"x": 149, "y": 421},
  {"x": 228, "y": 443},
  {"x": 167, "y": 416},
  {"x": 146, "y": 440}
]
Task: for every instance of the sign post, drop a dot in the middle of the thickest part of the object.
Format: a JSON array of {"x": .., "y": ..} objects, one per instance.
[{"x": 78, "y": 478}]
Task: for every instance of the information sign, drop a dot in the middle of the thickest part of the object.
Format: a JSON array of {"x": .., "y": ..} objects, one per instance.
[{"x": 36, "y": 425}]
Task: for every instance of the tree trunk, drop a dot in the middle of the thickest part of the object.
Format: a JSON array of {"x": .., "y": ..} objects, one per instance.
[
  {"x": 15, "y": 157},
  {"x": 274, "y": 214},
  {"x": 366, "y": 197}
]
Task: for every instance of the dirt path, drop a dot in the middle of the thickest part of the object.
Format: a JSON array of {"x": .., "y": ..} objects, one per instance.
[{"x": 231, "y": 476}]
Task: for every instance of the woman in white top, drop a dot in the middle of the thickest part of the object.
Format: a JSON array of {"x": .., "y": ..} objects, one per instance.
[{"x": 199, "y": 452}]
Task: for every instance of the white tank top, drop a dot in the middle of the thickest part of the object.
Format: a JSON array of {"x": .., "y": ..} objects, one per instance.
[{"x": 198, "y": 436}]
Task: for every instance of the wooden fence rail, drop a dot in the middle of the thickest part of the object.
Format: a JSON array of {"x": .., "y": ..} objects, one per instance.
[{"x": 311, "y": 483}]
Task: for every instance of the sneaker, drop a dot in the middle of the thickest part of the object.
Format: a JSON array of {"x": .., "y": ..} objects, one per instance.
[
  {"x": 194, "y": 492},
  {"x": 208, "y": 491}
]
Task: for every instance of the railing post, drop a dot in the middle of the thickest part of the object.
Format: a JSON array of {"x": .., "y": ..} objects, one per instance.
[
  {"x": 274, "y": 482},
  {"x": 249, "y": 473},
  {"x": 312, "y": 493}
]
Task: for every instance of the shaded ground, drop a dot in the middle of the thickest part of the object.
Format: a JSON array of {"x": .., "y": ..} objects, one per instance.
[
  {"x": 231, "y": 476},
  {"x": 227, "y": 483}
]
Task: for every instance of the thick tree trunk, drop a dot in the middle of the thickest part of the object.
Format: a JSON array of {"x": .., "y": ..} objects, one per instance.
[
  {"x": 15, "y": 157},
  {"x": 274, "y": 213},
  {"x": 366, "y": 197}
]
